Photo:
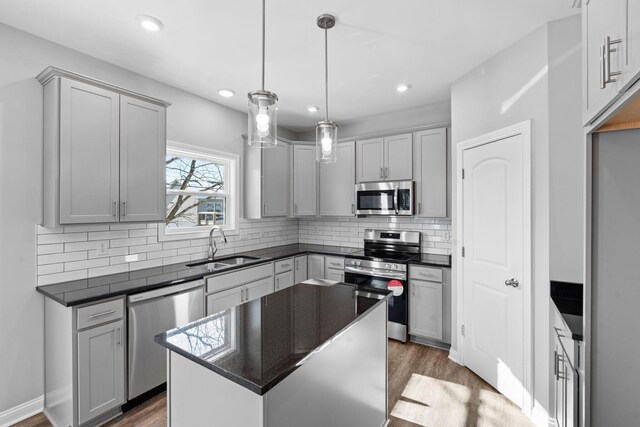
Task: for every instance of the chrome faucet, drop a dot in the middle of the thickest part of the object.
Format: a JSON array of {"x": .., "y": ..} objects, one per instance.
[{"x": 212, "y": 243}]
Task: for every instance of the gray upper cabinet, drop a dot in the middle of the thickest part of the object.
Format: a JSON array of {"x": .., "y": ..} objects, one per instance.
[
  {"x": 430, "y": 165},
  {"x": 142, "y": 160},
  {"x": 88, "y": 151},
  {"x": 104, "y": 152},
  {"x": 266, "y": 181},
  {"x": 305, "y": 180},
  {"x": 397, "y": 157},
  {"x": 384, "y": 159},
  {"x": 101, "y": 370},
  {"x": 370, "y": 160},
  {"x": 611, "y": 52},
  {"x": 337, "y": 183}
]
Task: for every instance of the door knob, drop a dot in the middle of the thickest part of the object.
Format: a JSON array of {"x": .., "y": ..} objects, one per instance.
[{"x": 512, "y": 282}]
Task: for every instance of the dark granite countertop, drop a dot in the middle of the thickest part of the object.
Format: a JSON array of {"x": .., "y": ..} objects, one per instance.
[
  {"x": 432, "y": 260},
  {"x": 94, "y": 289},
  {"x": 259, "y": 343},
  {"x": 568, "y": 298}
]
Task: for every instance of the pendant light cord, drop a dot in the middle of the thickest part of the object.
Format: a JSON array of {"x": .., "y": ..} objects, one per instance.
[
  {"x": 263, "y": 43},
  {"x": 326, "y": 75}
]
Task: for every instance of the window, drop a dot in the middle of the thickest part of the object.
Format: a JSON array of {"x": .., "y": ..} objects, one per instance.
[{"x": 201, "y": 190}]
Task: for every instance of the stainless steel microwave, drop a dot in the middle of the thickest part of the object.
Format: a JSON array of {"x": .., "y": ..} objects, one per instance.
[{"x": 385, "y": 198}]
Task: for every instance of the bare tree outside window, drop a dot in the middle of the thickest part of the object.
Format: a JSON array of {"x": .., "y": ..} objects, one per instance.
[{"x": 196, "y": 193}]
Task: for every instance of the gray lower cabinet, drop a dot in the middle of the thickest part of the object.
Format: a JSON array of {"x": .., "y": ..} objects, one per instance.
[
  {"x": 300, "y": 269},
  {"x": 85, "y": 363},
  {"x": 101, "y": 370},
  {"x": 566, "y": 376},
  {"x": 430, "y": 304},
  {"x": 284, "y": 280},
  {"x": 237, "y": 287},
  {"x": 316, "y": 266},
  {"x": 334, "y": 268}
]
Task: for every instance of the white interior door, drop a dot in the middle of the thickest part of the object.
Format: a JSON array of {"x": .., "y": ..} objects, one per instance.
[{"x": 493, "y": 218}]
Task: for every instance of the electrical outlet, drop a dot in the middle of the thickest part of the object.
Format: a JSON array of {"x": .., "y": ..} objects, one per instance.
[
  {"x": 446, "y": 236},
  {"x": 101, "y": 248}
]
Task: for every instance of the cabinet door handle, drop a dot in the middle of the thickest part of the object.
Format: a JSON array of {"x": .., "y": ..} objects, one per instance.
[
  {"x": 115, "y": 209},
  {"x": 242, "y": 295},
  {"x": 353, "y": 208},
  {"x": 381, "y": 173},
  {"x": 265, "y": 209},
  {"x": 246, "y": 294},
  {"x": 104, "y": 313},
  {"x": 608, "y": 48},
  {"x": 124, "y": 209},
  {"x": 119, "y": 335},
  {"x": 386, "y": 173},
  {"x": 419, "y": 208},
  {"x": 555, "y": 363}
]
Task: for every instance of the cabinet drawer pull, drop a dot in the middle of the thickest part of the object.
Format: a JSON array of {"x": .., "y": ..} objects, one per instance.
[
  {"x": 285, "y": 265},
  {"x": 334, "y": 264},
  {"x": 104, "y": 313}
]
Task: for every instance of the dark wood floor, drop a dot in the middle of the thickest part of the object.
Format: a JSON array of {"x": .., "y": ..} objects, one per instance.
[{"x": 425, "y": 389}]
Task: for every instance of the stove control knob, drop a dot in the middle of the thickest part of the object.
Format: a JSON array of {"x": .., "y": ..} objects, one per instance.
[
  {"x": 395, "y": 266},
  {"x": 353, "y": 262},
  {"x": 387, "y": 266},
  {"x": 358, "y": 263}
]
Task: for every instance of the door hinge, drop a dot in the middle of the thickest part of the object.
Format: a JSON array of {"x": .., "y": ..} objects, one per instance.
[
  {"x": 462, "y": 330},
  {"x": 463, "y": 252},
  {"x": 462, "y": 173}
]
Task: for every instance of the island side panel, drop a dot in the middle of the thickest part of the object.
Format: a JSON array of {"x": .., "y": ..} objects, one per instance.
[
  {"x": 345, "y": 384},
  {"x": 201, "y": 397}
]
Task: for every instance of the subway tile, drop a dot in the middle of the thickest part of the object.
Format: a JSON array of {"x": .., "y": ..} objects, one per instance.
[
  {"x": 139, "y": 265},
  {"x": 118, "y": 243},
  {"x": 108, "y": 235},
  {"x": 49, "y": 230},
  {"x": 50, "y": 249},
  {"x": 145, "y": 232},
  {"x": 62, "y": 257},
  {"x": 45, "y": 239},
  {"x": 50, "y": 269},
  {"x": 83, "y": 265},
  {"x": 83, "y": 228},
  {"x": 112, "y": 269},
  {"x": 119, "y": 227},
  {"x": 111, "y": 252},
  {"x": 68, "y": 276},
  {"x": 145, "y": 248}
]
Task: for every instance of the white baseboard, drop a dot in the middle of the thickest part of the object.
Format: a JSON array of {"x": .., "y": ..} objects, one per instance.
[
  {"x": 21, "y": 412},
  {"x": 540, "y": 417},
  {"x": 453, "y": 356}
]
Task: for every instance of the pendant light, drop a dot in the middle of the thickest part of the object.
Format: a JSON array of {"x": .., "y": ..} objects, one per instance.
[
  {"x": 326, "y": 131},
  {"x": 263, "y": 109}
]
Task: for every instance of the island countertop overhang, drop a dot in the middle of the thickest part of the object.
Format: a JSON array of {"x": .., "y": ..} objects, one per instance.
[{"x": 260, "y": 343}]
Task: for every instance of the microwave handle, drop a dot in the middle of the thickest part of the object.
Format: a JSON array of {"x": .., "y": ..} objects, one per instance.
[{"x": 395, "y": 199}]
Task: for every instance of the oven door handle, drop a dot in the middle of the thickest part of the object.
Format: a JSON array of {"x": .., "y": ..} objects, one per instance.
[
  {"x": 395, "y": 199},
  {"x": 371, "y": 295},
  {"x": 384, "y": 274}
]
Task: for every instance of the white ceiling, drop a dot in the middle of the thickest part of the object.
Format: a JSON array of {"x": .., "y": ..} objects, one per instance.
[{"x": 212, "y": 44}]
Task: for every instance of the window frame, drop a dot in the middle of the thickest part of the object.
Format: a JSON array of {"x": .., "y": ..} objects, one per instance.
[{"x": 231, "y": 193}]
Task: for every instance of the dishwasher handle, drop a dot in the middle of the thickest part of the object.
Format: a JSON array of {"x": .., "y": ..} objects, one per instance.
[{"x": 165, "y": 291}]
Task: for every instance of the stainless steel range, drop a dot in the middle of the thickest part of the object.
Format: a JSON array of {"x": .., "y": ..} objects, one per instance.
[{"x": 383, "y": 264}]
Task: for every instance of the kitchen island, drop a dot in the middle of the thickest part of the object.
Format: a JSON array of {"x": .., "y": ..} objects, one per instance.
[{"x": 314, "y": 354}]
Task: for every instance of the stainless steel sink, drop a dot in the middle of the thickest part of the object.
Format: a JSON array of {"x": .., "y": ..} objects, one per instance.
[
  {"x": 216, "y": 264},
  {"x": 238, "y": 260}
]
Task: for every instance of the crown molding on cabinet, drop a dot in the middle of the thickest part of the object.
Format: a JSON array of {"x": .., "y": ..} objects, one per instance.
[{"x": 51, "y": 72}]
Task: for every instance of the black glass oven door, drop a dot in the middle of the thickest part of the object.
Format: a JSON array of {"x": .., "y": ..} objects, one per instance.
[{"x": 397, "y": 303}]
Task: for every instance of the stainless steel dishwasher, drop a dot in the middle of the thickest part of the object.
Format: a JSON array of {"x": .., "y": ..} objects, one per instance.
[{"x": 151, "y": 313}]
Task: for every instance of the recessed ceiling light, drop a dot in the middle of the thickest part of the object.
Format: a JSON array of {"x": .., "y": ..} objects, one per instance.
[
  {"x": 313, "y": 109},
  {"x": 403, "y": 87},
  {"x": 150, "y": 23},
  {"x": 227, "y": 93}
]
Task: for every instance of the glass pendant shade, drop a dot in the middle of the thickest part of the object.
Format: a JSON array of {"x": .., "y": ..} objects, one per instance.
[
  {"x": 263, "y": 119},
  {"x": 326, "y": 142}
]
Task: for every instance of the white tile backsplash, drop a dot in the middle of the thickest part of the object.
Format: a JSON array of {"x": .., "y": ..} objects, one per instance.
[{"x": 69, "y": 253}]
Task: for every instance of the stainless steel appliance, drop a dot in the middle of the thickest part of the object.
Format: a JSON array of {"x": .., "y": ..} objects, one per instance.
[
  {"x": 385, "y": 198},
  {"x": 383, "y": 264},
  {"x": 151, "y": 313}
]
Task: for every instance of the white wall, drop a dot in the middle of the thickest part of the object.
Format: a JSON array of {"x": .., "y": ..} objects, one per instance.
[
  {"x": 191, "y": 119},
  {"x": 566, "y": 151},
  {"x": 508, "y": 89}
]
